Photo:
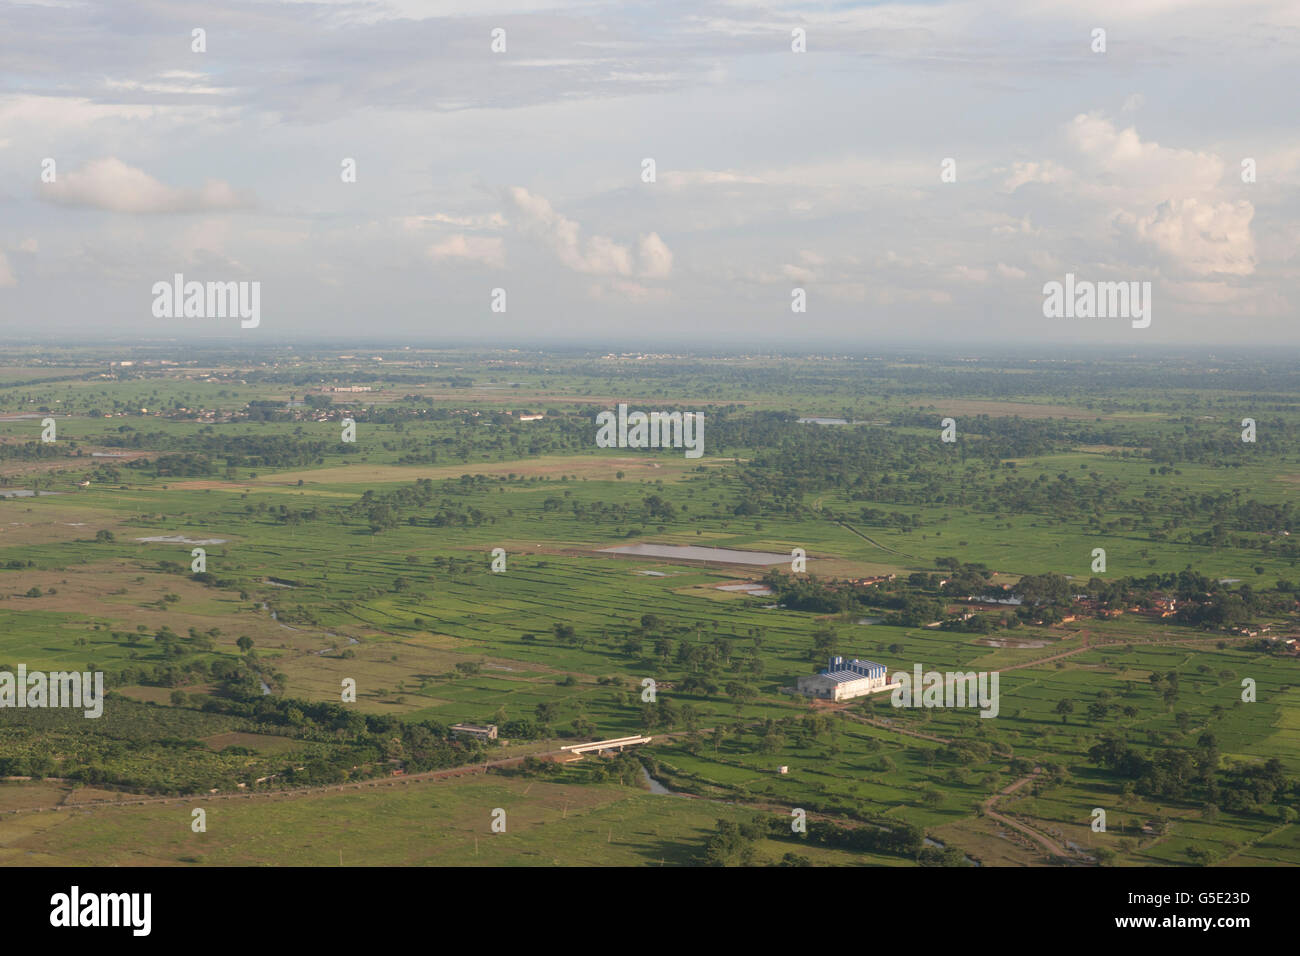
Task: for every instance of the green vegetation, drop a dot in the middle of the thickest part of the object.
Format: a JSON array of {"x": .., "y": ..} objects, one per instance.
[{"x": 327, "y": 562}]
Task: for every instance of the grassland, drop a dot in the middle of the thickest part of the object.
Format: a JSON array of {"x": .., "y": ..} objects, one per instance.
[{"x": 371, "y": 562}]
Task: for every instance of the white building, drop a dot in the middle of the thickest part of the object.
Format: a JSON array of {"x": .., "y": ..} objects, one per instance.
[
  {"x": 484, "y": 732},
  {"x": 845, "y": 679}
]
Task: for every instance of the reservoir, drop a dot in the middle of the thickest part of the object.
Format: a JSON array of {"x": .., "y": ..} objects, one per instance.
[{"x": 690, "y": 552}]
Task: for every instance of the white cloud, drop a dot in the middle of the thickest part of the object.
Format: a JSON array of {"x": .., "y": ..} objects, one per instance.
[
  {"x": 485, "y": 249},
  {"x": 7, "y": 279},
  {"x": 597, "y": 255},
  {"x": 112, "y": 185},
  {"x": 1123, "y": 154},
  {"x": 492, "y": 221},
  {"x": 1201, "y": 237},
  {"x": 655, "y": 257},
  {"x": 1174, "y": 202},
  {"x": 627, "y": 289},
  {"x": 1005, "y": 226},
  {"x": 706, "y": 177},
  {"x": 1010, "y": 272},
  {"x": 1044, "y": 261},
  {"x": 1024, "y": 173}
]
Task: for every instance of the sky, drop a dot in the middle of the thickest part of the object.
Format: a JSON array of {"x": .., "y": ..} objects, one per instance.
[{"x": 128, "y": 156}]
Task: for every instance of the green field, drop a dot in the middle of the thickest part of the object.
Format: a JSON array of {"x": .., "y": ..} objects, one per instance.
[{"x": 371, "y": 562}]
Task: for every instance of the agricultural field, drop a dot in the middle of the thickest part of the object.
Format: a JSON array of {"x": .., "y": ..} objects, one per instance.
[{"x": 293, "y": 592}]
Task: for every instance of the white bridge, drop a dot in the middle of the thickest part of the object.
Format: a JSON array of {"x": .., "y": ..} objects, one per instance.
[{"x": 600, "y": 746}]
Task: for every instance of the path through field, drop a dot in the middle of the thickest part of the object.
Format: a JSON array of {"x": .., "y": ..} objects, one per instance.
[
  {"x": 872, "y": 541},
  {"x": 1054, "y": 849}
]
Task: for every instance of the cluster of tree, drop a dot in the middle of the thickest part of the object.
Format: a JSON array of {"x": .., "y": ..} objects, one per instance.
[
  {"x": 1175, "y": 774},
  {"x": 919, "y": 598},
  {"x": 736, "y": 843},
  {"x": 905, "y": 605},
  {"x": 1222, "y": 446},
  {"x": 34, "y": 450},
  {"x": 239, "y": 450}
]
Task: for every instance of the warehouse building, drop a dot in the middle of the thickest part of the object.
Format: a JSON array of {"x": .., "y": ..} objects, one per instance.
[{"x": 843, "y": 680}]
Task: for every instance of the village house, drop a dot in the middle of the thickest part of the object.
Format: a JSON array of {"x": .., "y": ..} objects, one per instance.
[{"x": 483, "y": 732}]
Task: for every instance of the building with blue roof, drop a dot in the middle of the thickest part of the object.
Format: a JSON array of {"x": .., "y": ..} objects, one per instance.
[{"x": 842, "y": 680}]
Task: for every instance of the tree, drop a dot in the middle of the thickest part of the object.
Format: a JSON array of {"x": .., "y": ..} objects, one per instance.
[
  {"x": 1065, "y": 707},
  {"x": 245, "y": 643},
  {"x": 732, "y": 845},
  {"x": 381, "y": 518},
  {"x": 825, "y": 641},
  {"x": 742, "y": 692}
]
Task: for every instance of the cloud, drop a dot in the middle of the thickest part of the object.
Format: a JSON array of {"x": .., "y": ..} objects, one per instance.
[
  {"x": 967, "y": 274},
  {"x": 1123, "y": 154},
  {"x": 597, "y": 255},
  {"x": 1010, "y": 272},
  {"x": 112, "y": 185},
  {"x": 1173, "y": 204},
  {"x": 627, "y": 289},
  {"x": 1201, "y": 237},
  {"x": 493, "y": 221},
  {"x": 1024, "y": 173},
  {"x": 7, "y": 279},
  {"x": 487, "y": 250},
  {"x": 1005, "y": 226},
  {"x": 655, "y": 257},
  {"x": 707, "y": 177}
]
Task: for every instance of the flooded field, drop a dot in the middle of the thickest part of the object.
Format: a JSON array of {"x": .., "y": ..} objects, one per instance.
[
  {"x": 1011, "y": 642},
  {"x": 690, "y": 552},
  {"x": 752, "y": 589}
]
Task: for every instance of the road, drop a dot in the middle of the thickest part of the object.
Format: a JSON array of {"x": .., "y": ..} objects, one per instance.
[{"x": 1053, "y": 848}]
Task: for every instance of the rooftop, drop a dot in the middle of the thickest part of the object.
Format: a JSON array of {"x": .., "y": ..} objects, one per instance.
[{"x": 842, "y": 671}]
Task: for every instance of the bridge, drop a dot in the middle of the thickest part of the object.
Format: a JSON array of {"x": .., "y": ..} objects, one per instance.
[{"x": 600, "y": 746}]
